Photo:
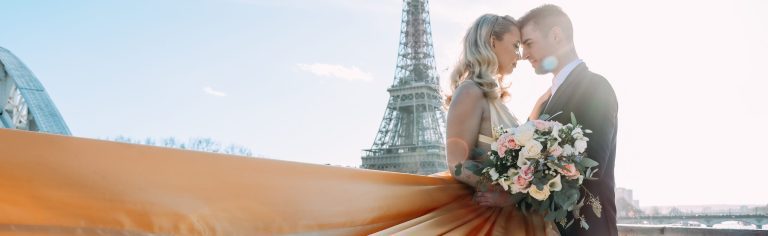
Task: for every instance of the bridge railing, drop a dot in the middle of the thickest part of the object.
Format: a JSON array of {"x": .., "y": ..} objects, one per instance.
[{"x": 641, "y": 230}]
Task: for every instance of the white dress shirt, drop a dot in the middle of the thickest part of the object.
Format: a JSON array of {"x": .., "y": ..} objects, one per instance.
[{"x": 560, "y": 77}]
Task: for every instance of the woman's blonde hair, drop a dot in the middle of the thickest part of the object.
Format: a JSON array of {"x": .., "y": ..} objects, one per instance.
[{"x": 477, "y": 61}]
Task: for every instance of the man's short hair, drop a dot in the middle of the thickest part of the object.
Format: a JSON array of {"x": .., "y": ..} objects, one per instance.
[{"x": 546, "y": 17}]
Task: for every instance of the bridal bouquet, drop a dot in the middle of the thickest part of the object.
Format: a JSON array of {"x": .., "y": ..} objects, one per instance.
[{"x": 543, "y": 165}]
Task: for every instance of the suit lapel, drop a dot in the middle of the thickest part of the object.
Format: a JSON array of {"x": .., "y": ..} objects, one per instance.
[{"x": 564, "y": 92}]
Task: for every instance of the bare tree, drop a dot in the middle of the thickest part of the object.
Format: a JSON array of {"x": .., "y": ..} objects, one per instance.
[{"x": 196, "y": 144}]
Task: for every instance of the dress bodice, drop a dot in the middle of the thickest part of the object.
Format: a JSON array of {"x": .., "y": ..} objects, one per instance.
[{"x": 500, "y": 116}]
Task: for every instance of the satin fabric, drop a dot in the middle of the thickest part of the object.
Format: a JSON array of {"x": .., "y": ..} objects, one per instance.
[
  {"x": 500, "y": 116},
  {"x": 61, "y": 185}
]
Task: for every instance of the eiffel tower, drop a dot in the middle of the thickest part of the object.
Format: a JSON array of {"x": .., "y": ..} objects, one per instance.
[{"x": 411, "y": 135}]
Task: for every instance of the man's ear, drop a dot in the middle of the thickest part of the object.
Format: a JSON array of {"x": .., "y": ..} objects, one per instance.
[{"x": 556, "y": 34}]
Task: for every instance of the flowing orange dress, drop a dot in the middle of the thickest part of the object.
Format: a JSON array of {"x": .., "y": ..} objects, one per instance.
[{"x": 61, "y": 185}]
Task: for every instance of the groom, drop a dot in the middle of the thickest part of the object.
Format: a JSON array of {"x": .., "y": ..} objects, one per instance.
[{"x": 547, "y": 36}]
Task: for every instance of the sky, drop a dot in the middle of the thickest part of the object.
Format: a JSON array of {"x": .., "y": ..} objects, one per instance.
[{"x": 306, "y": 80}]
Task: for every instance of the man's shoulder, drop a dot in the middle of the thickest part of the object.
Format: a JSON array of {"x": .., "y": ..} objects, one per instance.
[
  {"x": 598, "y": 82},
  {"x": 592, "y": 78}
]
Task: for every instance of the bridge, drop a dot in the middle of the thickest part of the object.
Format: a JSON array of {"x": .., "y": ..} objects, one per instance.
[
  {"x": 24, "y": 103},
  {"x": 707, "y": 219}
]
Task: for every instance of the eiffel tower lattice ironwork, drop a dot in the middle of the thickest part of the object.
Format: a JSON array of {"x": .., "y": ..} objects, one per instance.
[{"x": 411, "y": 134}]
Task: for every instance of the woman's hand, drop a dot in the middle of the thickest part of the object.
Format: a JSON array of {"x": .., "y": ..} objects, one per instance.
[{"x": 494, "y": 199}]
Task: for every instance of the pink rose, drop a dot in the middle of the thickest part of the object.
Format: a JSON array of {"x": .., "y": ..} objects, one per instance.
[
  {"x": 502, "y": 150},
  {"x": 511, "y": 142},
  {"x": 555, "y": 151},
  {"x": 542, "y": 125},
  {"x": 570, "y": 171},
  {"x": 521, "y": 183},
  {"x": 506, "y": 142},
  {"x": 527, "y": 172}
]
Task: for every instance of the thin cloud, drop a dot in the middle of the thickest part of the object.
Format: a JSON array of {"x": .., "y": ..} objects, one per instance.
[
  {"x": 337, "y": 71},
  {"x": 350, "y": 5},
  {"x": 213, "y": 92}
]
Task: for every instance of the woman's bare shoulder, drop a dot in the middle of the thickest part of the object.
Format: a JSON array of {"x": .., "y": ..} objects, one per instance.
[{"x": 468, "y": 91}]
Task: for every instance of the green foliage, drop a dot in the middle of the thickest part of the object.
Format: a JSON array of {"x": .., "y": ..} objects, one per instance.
[
  {"x": 573, "y": 120},
  {"x": 588, "y": 163}
]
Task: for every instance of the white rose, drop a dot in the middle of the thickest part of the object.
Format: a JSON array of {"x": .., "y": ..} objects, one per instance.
[
  {"x": 532, "y": 150},
  {"x": 581, "y": 145},
  {"x": 540, "y": 195},
  {"x": 524, "y": 133},
  {"x": 577, "y": 131},
  {"x": 555, "y": 132},
  {"x": 555, "y": 184},
  {"x": 495, "y": 147},
  {"x": 568, "y": 150}
]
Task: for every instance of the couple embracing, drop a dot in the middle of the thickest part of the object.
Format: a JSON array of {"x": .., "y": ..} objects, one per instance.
[{"x": 491, "y": 49}]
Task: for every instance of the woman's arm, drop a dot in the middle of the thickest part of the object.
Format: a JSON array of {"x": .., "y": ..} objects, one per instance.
[{"x": 463, "y": 127}]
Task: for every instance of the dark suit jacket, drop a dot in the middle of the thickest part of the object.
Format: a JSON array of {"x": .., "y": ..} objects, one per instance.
[{"x": 592, "y": 100}]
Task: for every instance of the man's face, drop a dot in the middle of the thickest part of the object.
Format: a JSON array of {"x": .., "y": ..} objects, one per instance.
[{"x": 536, "y": 47}]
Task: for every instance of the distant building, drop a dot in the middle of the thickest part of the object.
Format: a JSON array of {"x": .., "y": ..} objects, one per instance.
[{"x": 626, "y": 205}]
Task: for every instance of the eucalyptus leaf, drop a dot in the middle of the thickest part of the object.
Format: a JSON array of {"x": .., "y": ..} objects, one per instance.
[
  {"x": 543, "y": 206},
  {"x": 562, "y": 213},
  {"x": 522, "y": 207},
  {"x": 587, "y": 162},
  {"x": 550, "y": 216},
  {"x": 517, "y": 198},
  {"x": 560, "y": 197},
  {"x": 573, "y": 119}
]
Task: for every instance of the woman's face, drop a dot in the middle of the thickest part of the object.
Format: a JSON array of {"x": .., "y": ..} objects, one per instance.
[{"x": 507, "y": 50}]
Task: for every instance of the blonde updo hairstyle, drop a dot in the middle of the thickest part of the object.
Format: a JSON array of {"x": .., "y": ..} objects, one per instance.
[{"x": 477, "y": 61}]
